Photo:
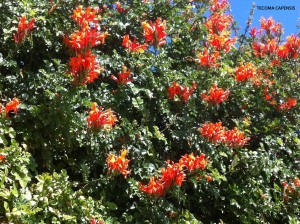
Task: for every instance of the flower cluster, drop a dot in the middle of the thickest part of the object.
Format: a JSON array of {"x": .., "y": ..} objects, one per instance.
[
  {"x": 291, "y": 48},
  {"x": 154, "y": 32},
  {"x": 292, "y": 189},
  {"x": 217, "y": 133},
  {"x": 123, "y": 77},
  {"x": 83, "y": 66},
  {"x": 218, "y": 25},
  {"x": 269, "y": 44},
  {"x": 208, "y": 60},
  {"x": 99, "y": 119},
  {"x": 11, "y": 106},
  {"x": 24, "y": 28},
  {"x": 245, "y": 72},
  {"x": 174, "y": 174},
  {"x": 216, "y": 5},
  {"x": 183, "y": 92},
  {"x": 133, "y": 46},
  {"x": 288, "y": 104},
  {"x": 118, "y": 164},
  {"x": 216, "y": 95}
]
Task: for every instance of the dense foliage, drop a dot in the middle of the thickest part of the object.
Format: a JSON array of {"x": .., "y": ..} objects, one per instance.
[{"x": 146, "y": 112}]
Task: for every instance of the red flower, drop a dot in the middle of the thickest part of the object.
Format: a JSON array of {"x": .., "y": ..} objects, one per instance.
[
  {"x": 186, "y": 92},
  {"x": 287, "y": 105},
  {"x": 24, "y": 29},
  {"x": 99, "y": 119},
  {"x": 183, "y": 92},
  {"x": 216, "y": 95},
  {"x": 208, "y": 60},
  {"x": 218, "y": 23},
  {"x": 84, "y": 17},
  {"x": 218, "y": 6},
  {"x": 94, "y": 221},
  {"x": 245, "y": 72},
  {"x": 119, "y": 7},
  {"x": 191, "y": 163},
  {"x": 118, "y": 164},
  {"x": 124, "y": 77},
  {"x": 84, "y": 68},
  {"x": 133, "y": 46},
  {"x": 221, "y": 42},
  {"x": 235, "y": 138},
  {"x": 85, "y": 39},
  {"x": 155, "y": 32},
  {"x": 269, "y": 25},
  {"x": 154, "y": 188},
  {"x": 216, "y": 133},
  {"x": 253, "y": 32},
  {"x": 291, "y": 48},
  {"x": 174, "y": 90},
  {"x": 2, "y": 157},
  {"x": 12, "y": 105},
  {"x": 213, "y": 132},
  {"x": 172, "y": 175}
]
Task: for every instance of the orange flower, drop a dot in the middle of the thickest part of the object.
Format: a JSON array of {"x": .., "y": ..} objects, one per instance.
[
  {"x": 118, "y": 164},
  {"x": 94, "y": 221},
  {"x": 124, "y": 77},
  {"x": 172, "y": 175},
  {"x": 24, "y": 29},
  {"x": 213, "y": 132},
  {"x": 154, "y": 188},
  {"x": 245, "y": 72},
  {"x": 261, "y": 49},
  {"x": 208, "y": 60},
  {"x": 218, "y": 23},
  {"x": 155, "y": 32},
  {"x": 99, "y": 119},
  {"x": 216, "y": 5},
  {"x": 191, "y": 163},
  {"x": 269, "y": 25},
  {"x": 235, "y": 138},
  {"x": 84, "y": 68},
  {"x": 12, "y": 105},
  {"x": 216, "y": 95},
  {"x": 216, "y": 133},
  {"x": 291, "y": 48},
  {"x": 221, "y": 42},
  {"x": 133, "y": 46},
  {"x": 287, "y": 105},
  {"x": 84, "y": 17},
  {"x": 85, "y": 39},
  {"x": 183, "y": 92}
]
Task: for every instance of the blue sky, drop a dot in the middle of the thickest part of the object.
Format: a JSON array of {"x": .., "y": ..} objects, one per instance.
[{"x": 289, "y": 18}]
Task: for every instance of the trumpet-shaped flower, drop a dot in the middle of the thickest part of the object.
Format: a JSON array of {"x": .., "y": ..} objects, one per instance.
[
  {"x": 123, "y": 77},
  {"x": 133, "y": 46},
  {"x": 24, "y": 28},
  {"x": 118, "y": 164},
  {"x": 155, "y": 32},
  {"x": 216, "y": 95},
  {"x": 99, "y": 119}
]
